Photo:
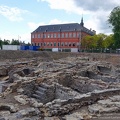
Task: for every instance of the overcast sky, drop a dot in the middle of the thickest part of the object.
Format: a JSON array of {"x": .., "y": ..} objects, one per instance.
[{"x": 18, "y": 18}]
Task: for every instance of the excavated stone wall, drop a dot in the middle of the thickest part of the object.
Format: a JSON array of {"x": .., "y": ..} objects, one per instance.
[{"x": 48, "y": 87}]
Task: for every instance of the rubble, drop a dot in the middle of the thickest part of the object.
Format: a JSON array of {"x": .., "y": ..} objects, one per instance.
[
  {"x": 58, "y": 89},
  {"x": 78, "y": 116}
]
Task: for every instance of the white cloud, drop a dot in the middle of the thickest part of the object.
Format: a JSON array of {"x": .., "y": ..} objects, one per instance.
[
  {"x": 13, "y": 14},
  {"x": 67, "y": 5}
]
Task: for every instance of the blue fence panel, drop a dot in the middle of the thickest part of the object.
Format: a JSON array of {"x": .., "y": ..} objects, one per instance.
[
  {"x": 24, "y": 47},
  {"x": 34, "y": 48}
]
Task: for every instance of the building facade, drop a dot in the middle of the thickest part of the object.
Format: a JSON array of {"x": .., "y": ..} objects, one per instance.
[{"x": 60, "y": 37}]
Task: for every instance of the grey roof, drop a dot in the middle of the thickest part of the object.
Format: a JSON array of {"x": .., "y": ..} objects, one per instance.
[{"x": 63, "y": 28}]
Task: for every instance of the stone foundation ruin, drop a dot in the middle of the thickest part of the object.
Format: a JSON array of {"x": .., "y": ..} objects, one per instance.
[{"x": 45, "y": 89}]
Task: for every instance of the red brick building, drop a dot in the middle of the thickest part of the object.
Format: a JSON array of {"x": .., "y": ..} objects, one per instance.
[{"x": 60, "y": 37}]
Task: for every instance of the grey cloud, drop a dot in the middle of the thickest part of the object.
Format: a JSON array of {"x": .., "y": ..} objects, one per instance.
[
  {"x": 94, "y": 5},
  {"x": 100, "y": 10},
  {"x": 103, "y": 24}
]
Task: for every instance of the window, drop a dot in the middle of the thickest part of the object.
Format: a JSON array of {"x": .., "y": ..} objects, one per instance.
[
  {"x": 69, "y": 44},
  {"x": 44, "y": 44},
  {"x": 54, "y": 43},
  {"x": 62, "y": 44},
  {"x": 51, "y": 43},
  {"x": 48, "y": 35},
  {"x": 78, "y": 35},
  {"x": 54, "y": 35},
  {"x": 47, "y": 43},
  {"x": 66, "y": 35},
  {"x": 74, "y": 35},
  {"x": 62, "y": 35},
  {"x": 44, "y": 36},
  {"x": 38, "y": 35},
  {"x": 78, "y": 43},
  {"x": 33, "y": 36},
  {"x": 70, "y": 35},
  {"x": 74, "y": 44},
  {"x": 38, "y": 44},
  {"x": 58, "y": 44},
  {"x": 41, "y": 35},
  {"x": 58, "y": 35},
  {"x": 41, "y": 44},
  {"x": 66, "y": 43},
  {"x": 51, "y": 35}
]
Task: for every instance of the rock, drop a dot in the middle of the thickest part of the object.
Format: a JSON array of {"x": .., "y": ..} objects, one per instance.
[
  {"x": 3, "y": 118},
  {"x": 39, "y": 80},
  {"x": 5, "y": 78},
  {"x": 51, "y": 118},
  {"x": 28, "y": 112},
  {"x": 105, "y": 103},
  {"x": 3, "y": 71},
  {"x": 20, "y": 90},
  {"x": 35, "y": 104},
  {"x": 6, "y": 92},
  {"x": 59, "y": 102},
  {"x": 9, "y": 107},
  {"x": 78, "y": 116},
  {"x": 4, "y": 113},
  {"x": 49, "y": 104},
  {"x": 115, "y": 98},
  {"x": 3, "y": 87},
  {"x": 21, "y": 99},
  {"x": 14, "y": 86},
  {"x": 95, "y": 108}
]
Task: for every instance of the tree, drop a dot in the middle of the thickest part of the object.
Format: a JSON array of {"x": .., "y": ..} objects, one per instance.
[
  {"x": 108, "y": 42},
  {"x": 1, "y": 42},
  {"x": 28, "y": 44},
  {"x": 89, "y": 42},
  {"x": 15, "y": 42},
  {"x": 6, "y": 42},
  {"x": 114, "y": 20},
  {"x": 100, "y": 39}
]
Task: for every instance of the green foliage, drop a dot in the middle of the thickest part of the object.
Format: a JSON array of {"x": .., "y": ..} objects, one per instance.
[
  {"x": 6, "y": 42},
  {"x": 98, "y": 41},
  {"x": 88, "y": 42},
  {"x": 27, "y": 44},
  {"x": 15, "y": 42},
  {"x": 109, "y": 42},
  {"x": 114, "y": 20},
  {"x": 1, "y": 42}
]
